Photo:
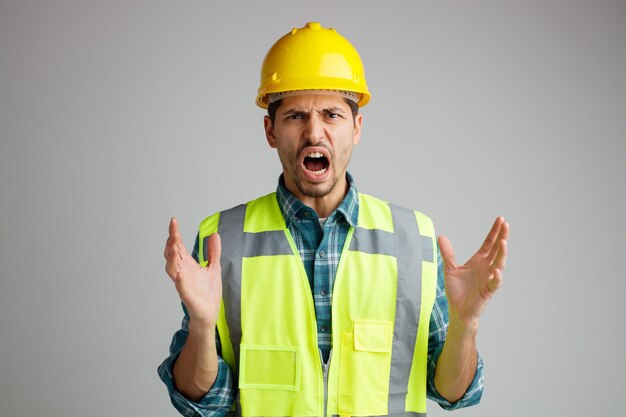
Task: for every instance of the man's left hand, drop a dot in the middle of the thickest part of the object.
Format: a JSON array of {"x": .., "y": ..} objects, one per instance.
[{"x": 469, "y": 287}]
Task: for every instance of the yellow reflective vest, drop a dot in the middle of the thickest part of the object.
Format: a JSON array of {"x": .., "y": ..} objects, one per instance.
[{"x": 383, "y": 295}]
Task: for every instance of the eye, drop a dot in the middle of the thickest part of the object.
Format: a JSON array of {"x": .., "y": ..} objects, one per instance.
[
  {"x": 332, "y": 115},
  {"x": 295, "y": 116}
]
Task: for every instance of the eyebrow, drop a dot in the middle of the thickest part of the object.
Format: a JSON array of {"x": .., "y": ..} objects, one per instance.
[
  {"x": 333, "y": 110},
  {"x": 295, "y": 110}
]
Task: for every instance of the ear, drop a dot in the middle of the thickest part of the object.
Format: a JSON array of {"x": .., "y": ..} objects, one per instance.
[
  {"x": 358, "y": 122},
  {"x": 269, "y": 131}
]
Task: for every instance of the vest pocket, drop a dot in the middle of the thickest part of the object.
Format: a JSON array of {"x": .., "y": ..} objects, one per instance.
[
  {"x": 269, "y": 367},
  {"x": 364, "y": 368}
]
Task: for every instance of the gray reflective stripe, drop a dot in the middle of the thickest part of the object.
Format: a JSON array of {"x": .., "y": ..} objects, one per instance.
[
  {"x": 409, "y": 246},
  {"x": 266, "y": 244},
  {"x": 373, "y": 241},
  {"x": 427, "y": 249},
  {"x": 230, "y": 228}
]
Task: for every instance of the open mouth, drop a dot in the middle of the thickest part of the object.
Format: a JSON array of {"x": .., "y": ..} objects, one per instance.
[{"x": 316, "y": 163}]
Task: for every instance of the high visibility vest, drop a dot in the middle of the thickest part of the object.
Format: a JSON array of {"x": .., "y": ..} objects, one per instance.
[{"x": 383, "y": 295}]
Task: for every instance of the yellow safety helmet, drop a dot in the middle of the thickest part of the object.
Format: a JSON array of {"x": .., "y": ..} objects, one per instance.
[{"x": 312, "y": 58}]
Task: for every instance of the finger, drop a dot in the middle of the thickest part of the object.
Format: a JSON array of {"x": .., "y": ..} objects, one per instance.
[
  {"x": 214, "y": 250},
  {"x": 180, "y": 247},
  {"x": 172, "y": 249},
  {"x": 500, "y": 261},
  {"x": 173, "y": 226},
  {"x": 170, "y": 244},
  {"x": 171, "y": 239},
  {"x": 491, "y": 236},
  {"x": 494, "y": 283},
  {"x": 182, "y": 250},
  {"x": 447, "y": 253},
  {"x": 173, "y": 263},
  {"x": 175, "y": 242},
  {"x": 503, "y": 235},
  {"x": 504, "y": 232}
]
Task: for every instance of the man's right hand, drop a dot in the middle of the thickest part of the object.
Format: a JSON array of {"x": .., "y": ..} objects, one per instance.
[{"x": 200, "y": 289}]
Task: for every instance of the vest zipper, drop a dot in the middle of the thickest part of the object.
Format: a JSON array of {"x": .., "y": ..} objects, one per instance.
[{"x": 325, "y": 367}]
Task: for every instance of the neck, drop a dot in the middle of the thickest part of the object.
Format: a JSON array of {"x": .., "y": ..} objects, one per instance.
[{"x": 325, "y": 205}]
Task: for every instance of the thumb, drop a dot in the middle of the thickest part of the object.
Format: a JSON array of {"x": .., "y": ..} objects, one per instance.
[
  {"x": 214, "y": 250},
  {"x": 447, "y": 253}
]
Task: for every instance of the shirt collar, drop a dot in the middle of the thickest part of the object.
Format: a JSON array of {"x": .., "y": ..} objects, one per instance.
[{"x": 294, "y": 209}]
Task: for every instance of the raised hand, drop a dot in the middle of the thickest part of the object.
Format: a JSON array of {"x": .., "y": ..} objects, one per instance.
[
  {"x": 469, "y": 287},
  {"x": 200, "y": 289}
]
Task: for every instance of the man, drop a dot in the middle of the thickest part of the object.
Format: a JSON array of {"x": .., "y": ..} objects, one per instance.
[{"x": 333, "y": 301}]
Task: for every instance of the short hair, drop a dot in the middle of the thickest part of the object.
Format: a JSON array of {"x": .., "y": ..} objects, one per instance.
[{"x": 273, "y": 107}]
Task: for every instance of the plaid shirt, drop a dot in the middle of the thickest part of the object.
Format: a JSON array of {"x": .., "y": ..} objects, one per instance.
[{"x": 319, "y": 244}]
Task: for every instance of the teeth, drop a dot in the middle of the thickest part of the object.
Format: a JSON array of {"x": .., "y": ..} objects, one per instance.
[
  {"x": 314, "y": 155},
  {"x": 320, "y": 172}
]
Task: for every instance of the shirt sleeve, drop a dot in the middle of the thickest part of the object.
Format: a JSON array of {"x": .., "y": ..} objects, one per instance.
[
  {"x": 436, "y": 339},
  {"x": 219, "y": 399}
]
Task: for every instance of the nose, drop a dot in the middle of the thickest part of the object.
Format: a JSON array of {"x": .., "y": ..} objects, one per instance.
[{"x": 314, "y": 128}]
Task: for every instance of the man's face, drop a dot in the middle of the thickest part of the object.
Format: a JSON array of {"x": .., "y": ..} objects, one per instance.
[{"x": 314, "y": 136}]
